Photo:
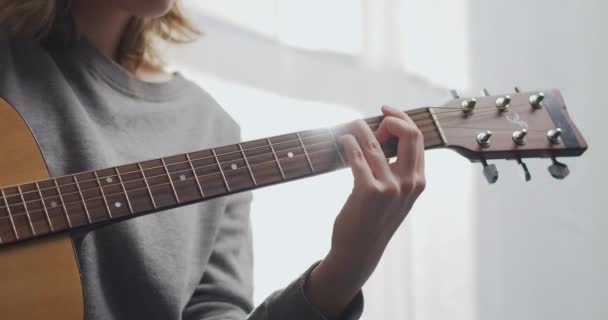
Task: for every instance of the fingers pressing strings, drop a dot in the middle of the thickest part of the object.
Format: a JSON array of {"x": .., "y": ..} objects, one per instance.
[
  {"x": 400, "y": 125},
  {"x": 361, "y": 170},
  {"x": 371, "y": 150}
]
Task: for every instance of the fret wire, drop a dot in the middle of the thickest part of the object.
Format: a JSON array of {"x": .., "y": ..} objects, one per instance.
[
  {"x": 103, "y": 194},
  {"x": 276, "y": 158},
  {"x": 170, "y": 180},
  {"x": 143, "y": 174},
  {"x": 27, "y": 213},
  {"x": 305, "y": 152},
  {"x": 84, "y": 204},
  {"x": 124, "y": 189},
  {"x": 10, "y": 215},
  {"x": 1, "y": 242},
  {"x": 333, "y": 139},
  {"x": 64, "y": 205},
  {"x": 219, "y": 165},
  {"x": 247, "y": 164},
  {"x": 46, "y": 210},
  {"x": 198, "y": 183}
]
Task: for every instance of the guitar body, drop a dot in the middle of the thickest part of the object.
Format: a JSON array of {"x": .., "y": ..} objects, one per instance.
[{"x": 39, "y": 279}]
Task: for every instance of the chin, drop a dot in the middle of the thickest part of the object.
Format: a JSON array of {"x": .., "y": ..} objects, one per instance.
[{"x": 145, "y": 8}]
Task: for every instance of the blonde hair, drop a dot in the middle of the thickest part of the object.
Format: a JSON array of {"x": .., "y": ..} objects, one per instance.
[{"x": 50, "y": 22}]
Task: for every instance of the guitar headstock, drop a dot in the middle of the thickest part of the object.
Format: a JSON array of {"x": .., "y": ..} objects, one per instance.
[{"x": 515, "y": 126}]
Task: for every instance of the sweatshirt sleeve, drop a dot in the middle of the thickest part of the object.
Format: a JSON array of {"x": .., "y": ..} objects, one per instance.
[
  {"x": 226, "y": 289},
  {"x": 291, "y": 303}
]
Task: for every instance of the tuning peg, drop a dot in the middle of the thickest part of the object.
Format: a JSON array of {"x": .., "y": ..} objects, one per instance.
[
  {"x": 483, "y": 138},
  {"x": 555, "y": 135},
  {"x": 558, "y": 170},
  {"x": 524, "y": 167},
  {"x": 454, "y": 94},
  {"x": 517, "y": 89},
  {"x": 503, "y": 103},
  {"x": 485, "y": 92},
  {"x": 536, "y": 100},
  {"x": 468, "y": 106},
  {"x": 519, "y": 137},
  {"x": 490, "y": 172}
]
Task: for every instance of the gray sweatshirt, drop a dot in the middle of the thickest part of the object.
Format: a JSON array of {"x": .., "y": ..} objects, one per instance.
[{"x": 194, "y": 262}]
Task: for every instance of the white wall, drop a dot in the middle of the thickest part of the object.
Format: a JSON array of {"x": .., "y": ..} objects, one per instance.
[{"x": 542, "y": 249}]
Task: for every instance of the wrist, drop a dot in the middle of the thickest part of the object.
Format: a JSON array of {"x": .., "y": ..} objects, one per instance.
[{"x": 331, "y": 288}]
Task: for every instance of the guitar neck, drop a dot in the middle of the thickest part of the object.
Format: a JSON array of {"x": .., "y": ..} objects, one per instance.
[{"x": 98, "y": 197}]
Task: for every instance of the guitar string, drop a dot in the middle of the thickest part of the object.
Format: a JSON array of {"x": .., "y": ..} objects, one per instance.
[
  {"x": 83, "y": 202},
  {"x": 419, "y": 124},
  {"x": 185, "y": 170},
  {"x": 413, "y": 117},
  {"x": 64, "y": 206},
  {"x": 168, "y": 175},
  {"x": 233, "y": 152},
  {"x": 424, "y": 116}
]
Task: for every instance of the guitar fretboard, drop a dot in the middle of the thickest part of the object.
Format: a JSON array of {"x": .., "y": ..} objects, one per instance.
[{"x": 64, "y": 203}]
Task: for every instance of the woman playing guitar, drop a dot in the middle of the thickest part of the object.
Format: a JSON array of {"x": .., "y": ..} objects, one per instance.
[{"x": 86, "y": 79}]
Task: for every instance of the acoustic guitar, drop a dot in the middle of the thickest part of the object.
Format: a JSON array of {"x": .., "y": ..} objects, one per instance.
[{"x": 39, "y": 276}]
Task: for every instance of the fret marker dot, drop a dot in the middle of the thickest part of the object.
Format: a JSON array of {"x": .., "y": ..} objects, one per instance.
[
  {"x": 109, "y": 180},
  {"x": 53, "y": 204},
  {"x": 182, "y": 178},
  {"x": 117, "y": 204},
  {"x": 234, "y": 166},
  {"x": 290, "y": 154}
]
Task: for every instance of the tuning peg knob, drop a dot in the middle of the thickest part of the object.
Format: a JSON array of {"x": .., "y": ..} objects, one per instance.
[
  {"x": 484, "y": 138},
  {"x": 558, "y": 170},
  {"x": 554, "y": 135},
  {"x": 520, "y": 137},
  {"x": 490, "y": 172},
  {"x": 536, "y": 100},
  {"x": 517, "y": 89},
  {"x": 485, "y": 92},
  {"x": 468, "y": 106},
  {"x": 503, "y": 103},
  {"x": 454, "y": 94},
  {"x": 524, "y": 167}
]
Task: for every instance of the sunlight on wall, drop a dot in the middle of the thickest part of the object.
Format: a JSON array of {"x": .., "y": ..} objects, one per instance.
[
  {"x": 335, "y": 25},
  {"x": 436, "y": 40},
  {"x": 314, "y": 24}
]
